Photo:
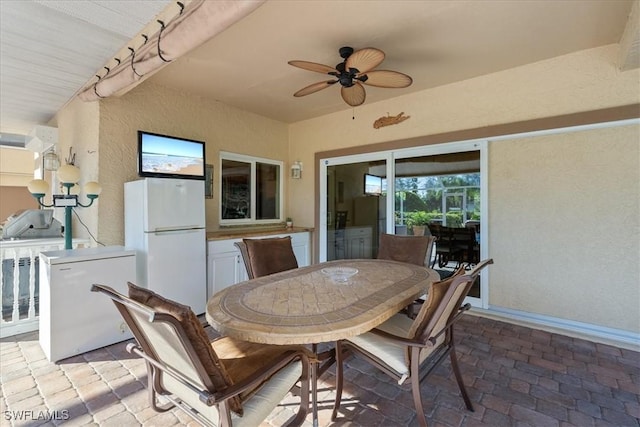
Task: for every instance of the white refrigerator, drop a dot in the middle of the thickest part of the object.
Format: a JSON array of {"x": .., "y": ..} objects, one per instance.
[{"x": 165, "y": 223}]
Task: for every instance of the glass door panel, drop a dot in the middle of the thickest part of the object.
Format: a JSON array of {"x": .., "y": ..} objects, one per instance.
[
  {"x": 356, "y": 206},
  {"x": 438, "y": 194}
]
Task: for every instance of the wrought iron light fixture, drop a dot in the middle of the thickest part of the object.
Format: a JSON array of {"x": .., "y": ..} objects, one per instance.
[{"x": 69, "y": 175}]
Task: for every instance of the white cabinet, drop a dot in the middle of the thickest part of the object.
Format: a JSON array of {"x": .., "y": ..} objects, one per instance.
[
  {"x": 225, "y": 266},
  {"x": 73, "y": 319},
  {"x": 358, "y": 242},
  {"x": 349, "y": 243}
]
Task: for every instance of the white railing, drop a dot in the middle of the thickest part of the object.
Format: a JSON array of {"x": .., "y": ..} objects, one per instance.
[{"x": 19, "y": 282}]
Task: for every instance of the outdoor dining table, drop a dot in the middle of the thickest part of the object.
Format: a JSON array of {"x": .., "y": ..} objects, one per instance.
[{"x": 308, "y": 305}]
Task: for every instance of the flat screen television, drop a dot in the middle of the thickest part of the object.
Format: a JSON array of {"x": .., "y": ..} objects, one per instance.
[
  {"x": 372, "y": 185},
  {"x": 164, "y": 156}
]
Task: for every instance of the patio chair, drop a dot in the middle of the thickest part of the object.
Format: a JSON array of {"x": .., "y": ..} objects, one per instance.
[
  {"x": 221, "y": 383},
  {"x": 410, "y": 249},
  {"x": 406, "y": 349},
  {"x": 262, "y": 257}
]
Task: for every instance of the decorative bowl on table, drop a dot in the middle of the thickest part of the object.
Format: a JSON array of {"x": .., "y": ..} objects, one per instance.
[{"x": 339, "y": 274}]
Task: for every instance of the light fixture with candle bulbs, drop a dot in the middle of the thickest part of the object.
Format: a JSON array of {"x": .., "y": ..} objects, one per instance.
[{"x": 68, "y": 175}]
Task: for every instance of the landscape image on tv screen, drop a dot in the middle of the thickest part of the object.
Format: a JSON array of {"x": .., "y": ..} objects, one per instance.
[
  {"x": 372, "y": 184},
  {"x": 165, "y": 155}
]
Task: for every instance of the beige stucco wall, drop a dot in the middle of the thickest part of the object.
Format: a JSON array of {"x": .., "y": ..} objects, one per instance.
[
  {"x": 160, "y": 110},
  {"x": 564, "y": 221},
  {"x": 78, "y": 127},
  {"x": 16, "y": 166}
]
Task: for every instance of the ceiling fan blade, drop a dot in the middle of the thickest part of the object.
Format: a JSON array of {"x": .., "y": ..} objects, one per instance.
[
  {"x": 386, "y": 78},
  {"x": 314, "y": 88},
  {"x": 353, "y": 95},
  {"x": 312, "y": 66},
  {"x": 365, "y": 59}
]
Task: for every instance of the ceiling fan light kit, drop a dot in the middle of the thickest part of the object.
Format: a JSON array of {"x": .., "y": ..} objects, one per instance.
[{"x": 355, "y": 69}]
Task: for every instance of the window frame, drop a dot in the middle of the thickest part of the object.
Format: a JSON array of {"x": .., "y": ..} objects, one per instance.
[{"x": 252, "y": 160}]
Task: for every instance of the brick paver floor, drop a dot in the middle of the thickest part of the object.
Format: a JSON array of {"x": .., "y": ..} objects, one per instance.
[{"x": 516, "y": 376}]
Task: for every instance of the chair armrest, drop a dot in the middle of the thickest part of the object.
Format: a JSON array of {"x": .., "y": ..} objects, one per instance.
[
  {"x": 211, "y": 399},
  {"x": 204, "y": 395},
  {"x": 449, "y": 324},
  {"x": 400, "y": 340}
]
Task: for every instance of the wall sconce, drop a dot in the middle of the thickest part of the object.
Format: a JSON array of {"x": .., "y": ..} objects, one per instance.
[
  {"x": 69, "y": 175},
  {"x": 51, "y": 161},
  {"x": 296, "y": 170}
]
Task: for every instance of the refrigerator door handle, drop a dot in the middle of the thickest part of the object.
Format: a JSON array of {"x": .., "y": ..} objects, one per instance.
[{"x": 175, "y": 229}]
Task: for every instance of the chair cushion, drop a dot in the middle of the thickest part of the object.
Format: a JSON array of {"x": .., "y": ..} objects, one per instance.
[
  {"x": 271, "y": 255},
  {"x": 196, "y": 335},
  {"x": 242, "y": 358},
  {"x": 409, "y": 249},
  {"x": 392, "y": 354}
]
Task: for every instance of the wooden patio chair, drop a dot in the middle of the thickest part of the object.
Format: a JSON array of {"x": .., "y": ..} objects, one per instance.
[
  {"x": 221, "y": 383},
  {"x": 262, "y": 257},
  {"x": 411, "y": 349}
]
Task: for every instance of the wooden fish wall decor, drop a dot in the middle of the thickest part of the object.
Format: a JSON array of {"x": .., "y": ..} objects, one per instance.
[{"x": 389, "y": 120}]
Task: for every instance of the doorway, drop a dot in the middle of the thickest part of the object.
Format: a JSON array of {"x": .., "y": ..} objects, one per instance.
[{"x": 406, "y": 191}]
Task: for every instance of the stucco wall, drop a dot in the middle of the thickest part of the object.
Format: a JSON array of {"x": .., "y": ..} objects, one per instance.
[
  {"x": 78, "y": 127},
  {"x": 161, "y": 110},
  {"x": 564, "y": 221}
]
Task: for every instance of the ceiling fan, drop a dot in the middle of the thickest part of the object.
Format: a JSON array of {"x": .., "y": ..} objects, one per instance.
[{"x": 356, "y": 68}]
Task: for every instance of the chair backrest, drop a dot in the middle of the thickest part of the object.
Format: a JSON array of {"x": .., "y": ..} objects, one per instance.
[
  {"x": 267, "y": 256},
  {"x": 410, "y": 249},
  {"x": 444, "y": 301},
  {"x": 170, "y": 334}
]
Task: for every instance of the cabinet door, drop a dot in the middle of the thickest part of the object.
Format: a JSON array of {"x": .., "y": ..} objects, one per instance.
[
  {"x": 301, "y": 251},
  {"x": 223, "y": 271},
  {"x": 360, "y": 247}
]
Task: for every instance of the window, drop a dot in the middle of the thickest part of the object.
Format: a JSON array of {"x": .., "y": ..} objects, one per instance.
[{"x": 250, "y": 189}]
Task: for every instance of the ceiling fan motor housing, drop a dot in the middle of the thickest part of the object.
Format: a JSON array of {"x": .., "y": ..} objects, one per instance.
[{"x": 345, "y": 52}]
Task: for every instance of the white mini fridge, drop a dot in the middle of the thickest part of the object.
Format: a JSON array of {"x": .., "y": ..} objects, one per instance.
[{"x": 73, "y": 319}]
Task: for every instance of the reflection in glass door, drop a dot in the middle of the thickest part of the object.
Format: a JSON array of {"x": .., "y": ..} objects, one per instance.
[
  {"x": 454, "y": 209},
  {"x": 356, "y": 206},
  {"x": 432, "y": 191}
]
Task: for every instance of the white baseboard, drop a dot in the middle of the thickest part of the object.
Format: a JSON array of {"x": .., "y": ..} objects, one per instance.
[{"x": 587, "y": 331}]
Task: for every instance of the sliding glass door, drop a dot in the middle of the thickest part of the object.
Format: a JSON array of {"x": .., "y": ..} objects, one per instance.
[
  {"x": 355, "y": 207},
  {"x": 437, "y": 189}
]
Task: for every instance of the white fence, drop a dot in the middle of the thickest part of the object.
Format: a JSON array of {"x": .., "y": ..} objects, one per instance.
[{"x": 19, "y": 282}]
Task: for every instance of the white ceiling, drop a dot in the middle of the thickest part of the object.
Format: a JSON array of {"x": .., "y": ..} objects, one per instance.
[{"x": 50, "y": 50}]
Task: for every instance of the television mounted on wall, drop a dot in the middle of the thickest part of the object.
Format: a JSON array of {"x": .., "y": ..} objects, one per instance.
[
  {"x": 372, "y": 185},
  {"x": 164, "y": 156}
]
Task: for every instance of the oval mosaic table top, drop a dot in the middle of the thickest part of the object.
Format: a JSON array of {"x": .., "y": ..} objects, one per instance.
[{"x": 306, "y": 306}]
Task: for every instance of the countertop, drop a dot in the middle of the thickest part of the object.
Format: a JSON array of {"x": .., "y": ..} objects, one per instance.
[{"x": 239, "y": 233}]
